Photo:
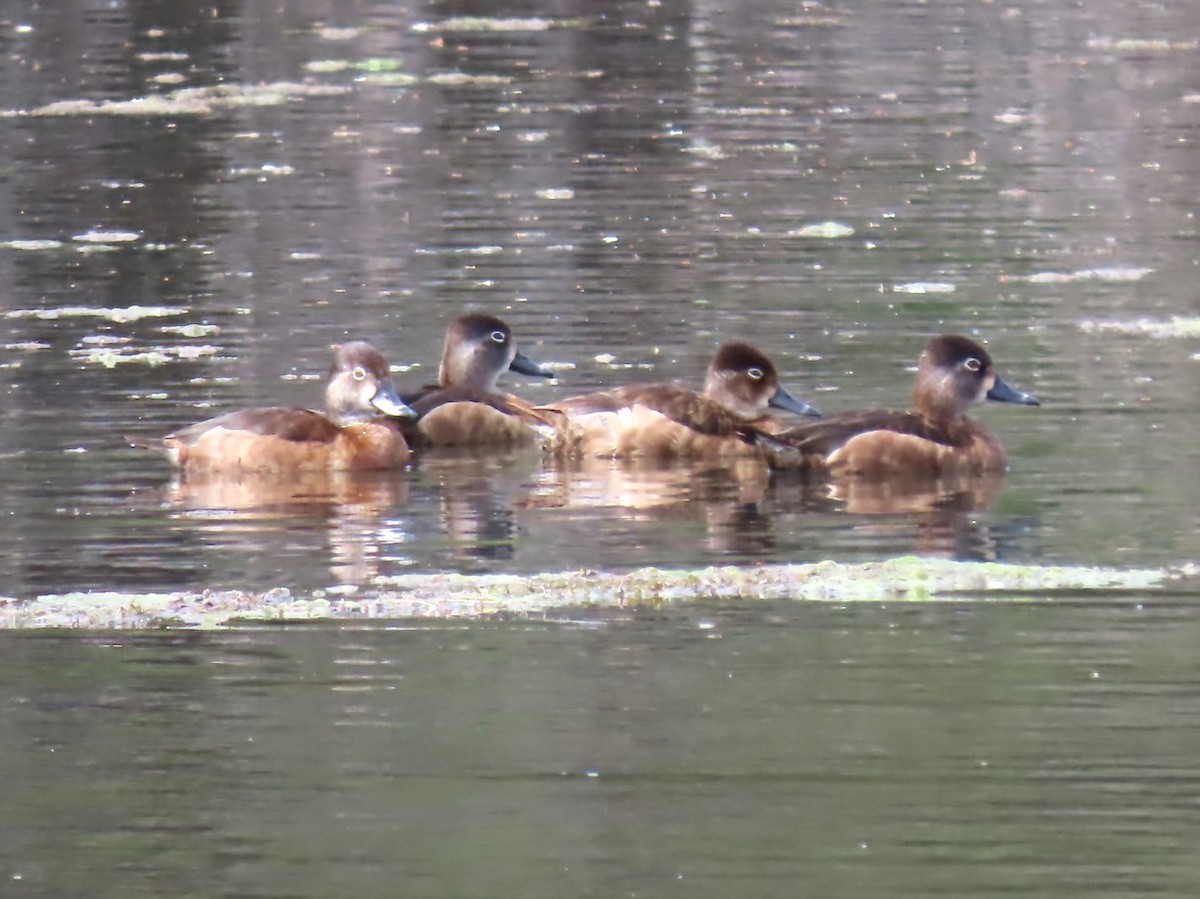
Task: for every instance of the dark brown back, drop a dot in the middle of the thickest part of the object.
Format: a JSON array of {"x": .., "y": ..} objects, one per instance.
[{"x": 297, "y": 425}]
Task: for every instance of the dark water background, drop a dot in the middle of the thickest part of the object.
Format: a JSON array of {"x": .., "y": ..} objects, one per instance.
[
  {"x": 627, "y": 184},
  {"x": 762, "y": 750}
]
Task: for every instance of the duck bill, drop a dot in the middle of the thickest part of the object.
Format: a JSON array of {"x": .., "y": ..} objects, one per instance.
[
  {"x": 1002, "y": 393},
  {"x": 523, "y": 365},
  {"x": 784, "y": 400},
  {"x": 386, "y": 401}
]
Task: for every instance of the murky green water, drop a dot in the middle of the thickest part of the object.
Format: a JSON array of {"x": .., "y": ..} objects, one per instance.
[
  {"x": 197, "y": 202},
  {"x": 697, "y": 750}
]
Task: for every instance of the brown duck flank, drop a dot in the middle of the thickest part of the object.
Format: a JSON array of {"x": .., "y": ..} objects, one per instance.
[
  {"x": 353, "y": 433},
  {"x": 935, "y": 438}
]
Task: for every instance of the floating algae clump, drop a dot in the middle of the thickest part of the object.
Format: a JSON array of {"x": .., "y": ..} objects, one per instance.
[
  {"x": 472, "y": 596},
  {"x": 200, "y": 101}
]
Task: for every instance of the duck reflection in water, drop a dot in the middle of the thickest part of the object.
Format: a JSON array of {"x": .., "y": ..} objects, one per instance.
[
  {"x": 663, "y": 453},
  {"x": 349, "y": 509},
  {"x": 725, "y": 498},
  {"x": 929, "y": 516},
  {"x": 259, "y": 472},
  {"x": 933, "y": 464},
  {"x": 475, "y": 489}
]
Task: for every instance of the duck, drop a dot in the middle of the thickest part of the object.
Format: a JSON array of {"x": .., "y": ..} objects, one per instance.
[
  {"x": 357, "y": 431},
  {"x": 465, "y": 407},
  {"x": 934, "y": 439},
  {"x": 727, "y": 419}
]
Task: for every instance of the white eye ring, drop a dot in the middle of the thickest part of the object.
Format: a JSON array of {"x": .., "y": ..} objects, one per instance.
[
  {"x": 972, "y": 364},
  {"x": 499, "y": 337},
  {"x": 755, "y": 374},
  {"x": 359, "y": 373}
]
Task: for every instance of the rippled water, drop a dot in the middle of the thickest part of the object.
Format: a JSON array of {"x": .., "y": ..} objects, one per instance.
[
  {"x": 628, "y": 190},
  {"x": 699, "y": 750},
  {"x": 627, "y": 185}
]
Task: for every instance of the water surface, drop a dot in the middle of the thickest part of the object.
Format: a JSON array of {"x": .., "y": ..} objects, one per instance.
[
  {"x": 628, "y": 187},
  {"x": 698, "y": 750}
]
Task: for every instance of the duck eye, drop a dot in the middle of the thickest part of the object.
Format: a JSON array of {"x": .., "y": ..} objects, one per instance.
[
  {"x": 499, "y": 336},
  {"x": 755, "y": 374},
  {"x": 359, "y": 373},
  {"x": 972, "y": 364}
]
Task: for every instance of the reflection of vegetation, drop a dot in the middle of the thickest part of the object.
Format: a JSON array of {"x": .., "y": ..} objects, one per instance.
[
  {"x": 110, "y": 356},
  {"x": 823, "y": 230},
  {"x": 325, "y": 66},
  {"x": 194, "y": 100},
  {"x": 387, "y": 73},
  {"x": 120, "y": 314},
  {"x": 31, "y": 245},
  {"x": 907, "y": 579},
  {"x": 1138, "y": 44},
  {"x": 1175, "y": 326},
  {"x": 487, "y": 23}
]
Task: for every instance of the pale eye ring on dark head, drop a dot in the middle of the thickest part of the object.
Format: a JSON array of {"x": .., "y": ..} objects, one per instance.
[
  {"x": 359, "y": 373},
  {"x": 755, "y": 374},
  {"x": 499, "y": 336},
  {"x": 972, "y": 364}
]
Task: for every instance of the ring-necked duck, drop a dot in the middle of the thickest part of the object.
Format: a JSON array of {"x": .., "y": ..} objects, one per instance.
[
  {"x": 934, "y": 439},
  {"x": 357, "y": 430},
  {"x": 464, "y": 407},
  {"x": 669, "y": 421}
]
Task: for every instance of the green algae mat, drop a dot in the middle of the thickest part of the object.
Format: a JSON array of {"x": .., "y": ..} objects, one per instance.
[{"x": 478, "y": 596}]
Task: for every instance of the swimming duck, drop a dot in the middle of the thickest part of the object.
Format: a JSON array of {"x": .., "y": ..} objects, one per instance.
[
  {"x": 670, "y": 421},
  {"x": 465, "y": 407},
  {"x": 934, "y": 439},
  {"x": 356, "y": 432}
]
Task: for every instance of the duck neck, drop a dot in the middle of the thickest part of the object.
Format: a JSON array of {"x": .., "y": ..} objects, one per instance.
[
  {"x": 469, "y": 370},
  {"x": 938, "y": 406}
]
